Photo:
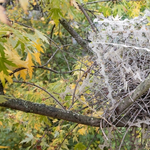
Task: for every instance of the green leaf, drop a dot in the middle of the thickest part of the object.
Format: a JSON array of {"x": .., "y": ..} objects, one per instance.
[
  {"x": 56, "y": 134},
  {"x": 79, "y": 146},
  {"x": 28, "y": 138},
  {"x": 56, "y": 14},
  {"x": 2, "y": 51},
  {"x": 3, "y": 98},
  {"x": 41, "y": 36},
  {"x": 3, "y": 62}
]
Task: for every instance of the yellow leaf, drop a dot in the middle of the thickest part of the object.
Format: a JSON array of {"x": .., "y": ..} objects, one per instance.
[
  {"x": 13, "y": 56},
  {"x": 82, "y": 98},
  {"x": 75, "y": 139},
  {"x": 9, "y": 79},
  {"x": 1, "y": 123},
  {"x": 148, "y": 24},
  {"x": 29, "y": 64},
  {"x": 37, "y": 57},
  {"x": 24, "y": 5},
  {"x": 2, "y": 79},
  {"x": 73, "y": 2},
  {"x": 37, "y": 126},
  {"x": 73, "y": 86},
  {"x": 42, "y": 18},
  {"x": 23, "y": 74},
  {"x": 52, "y": 22},
  {"x": 98, "y": 113},
  {"x": 38, "y": 135},
  {"x": 37, "y": 45},
  {"x": 58, "y": 128},
  {"x": 82, "y": 131},
  {"x": 4, "y": 76},
  {"x": 4, "y": 146}
]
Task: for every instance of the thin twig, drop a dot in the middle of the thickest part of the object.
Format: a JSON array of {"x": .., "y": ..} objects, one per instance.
[
  {"x": 16, "y": 70},
  {"x": 97, "y": 2},
  {"x": 39, "y": 141},
  {"x": 79, "y": 81},
  {"x": 58, "y": 72},
  {"x": 51, "y": 57},
  {"x": 44, "y": 91},
  {"x": 107, "y": 1},
  {"x": 45, "y": 68},
  {"x": 52, "y": 30},
  {"x": 67, "y": 136},
  {"x": 103, "y": 131},
  {"x": 129, "y": 128},
  {"x": 92, "y": 140},
  {"x": 87, "y": 17}
]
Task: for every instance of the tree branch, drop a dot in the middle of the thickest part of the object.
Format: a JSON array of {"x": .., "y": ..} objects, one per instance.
[
  {"x": 88, "y": 18},
  {"x": 42, "y": 109},
  {"x": 107, "y": 1},
  {"x": 137, "y": 93},
  {"x": 75, "y": 35},
  {"x": 1, "y": 89},
  {"x": 44, "y": 91}
]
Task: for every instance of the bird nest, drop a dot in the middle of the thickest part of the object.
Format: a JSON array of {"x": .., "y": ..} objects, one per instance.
[{"x": 122, "y": 50}]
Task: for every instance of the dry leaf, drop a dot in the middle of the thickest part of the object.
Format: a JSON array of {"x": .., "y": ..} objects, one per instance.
[
  {"x": 24, "y": 5},
  {"x": 2, "y": 1},
  {"x": 3, "y": 17},
  {"x": 73, "y": 2}
]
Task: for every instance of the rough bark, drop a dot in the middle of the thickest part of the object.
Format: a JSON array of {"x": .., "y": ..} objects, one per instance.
[
  {"x": 75, "y": 35},
  {"x": 42, "y": 109},
  {"x": 1, "y": 89},
  {"x": 141, "y": 89}
]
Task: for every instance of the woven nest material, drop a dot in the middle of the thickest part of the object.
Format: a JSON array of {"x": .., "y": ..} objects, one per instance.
[{"x": 122, "y": 49}]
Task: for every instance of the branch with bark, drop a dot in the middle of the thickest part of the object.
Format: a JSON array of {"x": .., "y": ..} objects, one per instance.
[
  {"x": 141, "y": 89},
  {"x": 42, "y": 109},
  {"x": 75, "y": 35}
]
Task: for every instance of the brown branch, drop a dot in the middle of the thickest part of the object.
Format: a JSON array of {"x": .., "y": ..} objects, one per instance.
[
  {"x": 44, "y": 91},
  {"x": 45, "y": 68},
  {"x": 87, "y": 17},
  {"x": 75, "y": 35},
  {"x": 1, "y": 89},
  {"x": 94, "y": 2},
  {"x": 16, "y": 70},
  {"x": 141, "y": 89},
  {"x": 42, "y": 109}
]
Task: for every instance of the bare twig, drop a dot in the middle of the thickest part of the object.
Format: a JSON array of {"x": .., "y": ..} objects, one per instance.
[
  {"x": 67, "y": 136},
  {"x": 92, "y": 140},
  {"x": 128, "y": 128},
  {"x": 51, "y": 57},
  {"x": 88, "y": 18},
  {"x": 39, "y": 141},
  {"x": 44, "y": 91},
  {"x": 16, "y": 70},
  {"x": 58, "y": 72},
  {"x": 52, "y": 30},
  {"x": 88, "y": 3},
  {"x": 87, "y": 71}
]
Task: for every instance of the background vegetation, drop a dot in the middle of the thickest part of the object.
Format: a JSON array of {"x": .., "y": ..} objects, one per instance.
[{"x": 40, "y": 60}]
